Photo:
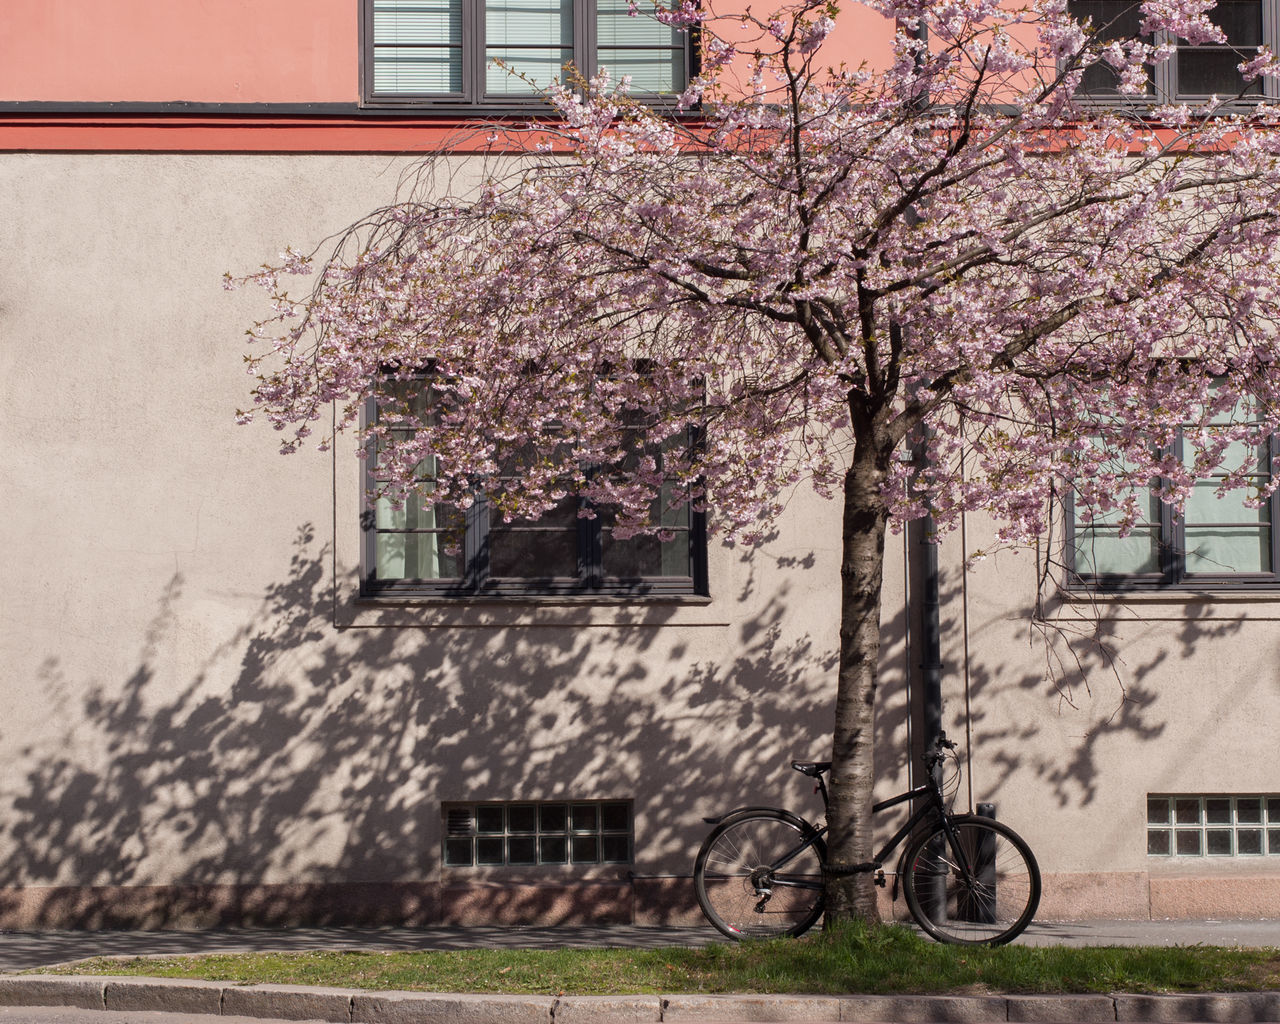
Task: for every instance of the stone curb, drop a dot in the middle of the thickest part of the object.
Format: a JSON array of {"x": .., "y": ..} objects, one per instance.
[{"x": 352, "y": 1006}]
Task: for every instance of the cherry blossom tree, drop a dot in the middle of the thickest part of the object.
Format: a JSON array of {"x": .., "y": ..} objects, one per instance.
[{"x": 791, "y": 274}]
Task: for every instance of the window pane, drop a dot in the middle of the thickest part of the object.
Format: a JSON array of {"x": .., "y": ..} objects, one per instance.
[
  {"x": 1219, "y": 842},
  {"x": 533, "y": 38},
  {"x": 1103, "y": 551},
  {"x": 421, "y": 69},
  {"x": 1249, "y": 841},
  {"x": 1241, "y": 20},
  {"x": 584, "y": 818},
  {"x": 1204, "y": 506},
  {"x": 646, "y": 556},
  {"x": 522, "y": 818},
  {"x": 1110, "y": 19},
  {"x": 544, "y": 23},
  {"x": 586, "y": 849},
  {"x": 650, "y": 70},
  {"x": 489, "y": 819},
  {"x": 1228, "y": 549},
  {"x": 553, "y": 849},
  {"x": 615, "y": 818},
  {"x": 533, "y": 553},
  {"x": 553, "y": 818},
  {"x": 417, "y": 46},
  {"x": 522, "y": 850},
  {"x": 1273, "y": 810},
  {"x": 1187, "y": 812},
  {"x": 1157, "y": 811},
  {"x": 615, "y": 849},
  {"x": 1249, "y": 810},
  {"x": 539, "y": 66},
  {"x": 457, "y": 852},
  {"x": 489, "y": 850},
  {"x": 417, "y": 22},
  {"x": 1158, "y": 842},
  {"x": 1188, "y": 843},
  {"x": 1205, "y": 71},
  {"x": 1217, "y": 811}
]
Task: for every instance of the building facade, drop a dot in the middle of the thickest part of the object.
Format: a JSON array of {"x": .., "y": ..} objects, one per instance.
[{"x": 211, "y": 718}]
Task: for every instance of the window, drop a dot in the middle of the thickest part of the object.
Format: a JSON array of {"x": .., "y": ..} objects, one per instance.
[
  {"x": 427, "y": 550},
  {"x": 1213, "y": 826},
  {"x": 1217, "y": 541},
  {"x": 514, "y": 834},
  {"x": 503, "y": 52},
  {"x": 1195, "y": 72}
]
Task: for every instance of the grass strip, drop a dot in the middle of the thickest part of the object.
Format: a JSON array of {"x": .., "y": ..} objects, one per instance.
[{"x": 851, "y": 959}]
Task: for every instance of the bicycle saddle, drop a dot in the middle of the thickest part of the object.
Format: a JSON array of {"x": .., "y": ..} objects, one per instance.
[{"x": 811, "y": 768}]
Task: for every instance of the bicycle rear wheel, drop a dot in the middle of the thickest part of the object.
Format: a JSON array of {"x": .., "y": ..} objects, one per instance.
[
  {"x": 759, "y": 875},
  {"x": 980, "y": 887}
]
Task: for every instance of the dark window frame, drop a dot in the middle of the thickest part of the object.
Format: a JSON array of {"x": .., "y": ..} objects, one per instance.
[
  {"x": 473, "y": 95},
  {"x": 1172, "y": 574},
  {"x": 476, "y": 581},
  {"x": 1165, "y": 77}
]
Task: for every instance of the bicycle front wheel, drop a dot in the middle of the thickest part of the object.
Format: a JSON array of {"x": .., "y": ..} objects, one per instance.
[
  {"x": 978, "y": 885},
  {"x": 759, "y": 875}
]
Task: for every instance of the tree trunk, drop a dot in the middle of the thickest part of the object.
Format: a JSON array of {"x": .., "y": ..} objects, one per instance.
[{"x": 853, "y": 748}]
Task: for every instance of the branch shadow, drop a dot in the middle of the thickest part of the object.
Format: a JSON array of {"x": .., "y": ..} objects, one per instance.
[{"x": 297, "y": 778}]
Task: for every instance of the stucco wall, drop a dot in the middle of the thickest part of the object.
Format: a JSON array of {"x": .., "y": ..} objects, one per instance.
[
  {"x": 191, "y": 699},
  {"x": 196, "y": 703}
]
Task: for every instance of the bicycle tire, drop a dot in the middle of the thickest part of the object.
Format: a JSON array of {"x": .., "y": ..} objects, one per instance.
[
  {"x": 989, "y": 906},
  {"x": 739, "y": 891}
]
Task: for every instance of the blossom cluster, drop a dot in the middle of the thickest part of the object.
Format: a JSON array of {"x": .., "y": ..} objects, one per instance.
[{"x": 791, "y": 286}]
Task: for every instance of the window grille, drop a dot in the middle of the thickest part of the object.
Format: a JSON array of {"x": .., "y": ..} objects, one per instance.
[
  {"x": 1213, "y": 826},
  {"x": 547, "y": 832}
]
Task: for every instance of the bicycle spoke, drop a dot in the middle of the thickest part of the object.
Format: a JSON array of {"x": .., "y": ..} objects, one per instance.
[
  {"x": 740, "y": 888},
  {"x": 978, "y": 885}
]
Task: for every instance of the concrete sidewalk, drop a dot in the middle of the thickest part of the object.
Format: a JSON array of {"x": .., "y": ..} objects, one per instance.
[{"x": 24, "y": 950}]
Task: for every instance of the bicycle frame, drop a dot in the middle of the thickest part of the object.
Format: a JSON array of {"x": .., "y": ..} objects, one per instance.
[{"x": 934, "y": 808}]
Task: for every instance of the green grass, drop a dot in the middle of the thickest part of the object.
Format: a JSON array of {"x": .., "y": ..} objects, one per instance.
[{"x": 855, "y": 959}]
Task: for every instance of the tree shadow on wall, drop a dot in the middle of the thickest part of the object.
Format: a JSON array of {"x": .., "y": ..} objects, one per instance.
[
  {"x": 296, "y": 776},
  {"x": 1106, "y": 680}
]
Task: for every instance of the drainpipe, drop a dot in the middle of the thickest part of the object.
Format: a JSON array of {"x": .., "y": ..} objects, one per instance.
[{"x": 930, "y": 614}]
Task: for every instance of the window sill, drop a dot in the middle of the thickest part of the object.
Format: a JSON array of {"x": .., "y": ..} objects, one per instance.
[
  {"x": 1256, "y": 603},
  {"x": 576, "y": 611},
  {"x": 1175, "y": 594}
]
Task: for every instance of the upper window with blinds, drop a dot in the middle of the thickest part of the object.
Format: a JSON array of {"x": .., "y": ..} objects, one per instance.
[{"x": 505, "y": 52}]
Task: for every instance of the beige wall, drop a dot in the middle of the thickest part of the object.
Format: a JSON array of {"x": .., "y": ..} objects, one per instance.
[{"x": 195, "y": 700}]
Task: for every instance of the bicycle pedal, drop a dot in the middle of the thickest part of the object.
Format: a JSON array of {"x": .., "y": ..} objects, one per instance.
[{"x": 879, "y": 879}]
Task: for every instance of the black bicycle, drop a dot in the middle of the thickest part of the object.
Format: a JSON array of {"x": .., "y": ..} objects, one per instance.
[{"x": 966, "y": 878}]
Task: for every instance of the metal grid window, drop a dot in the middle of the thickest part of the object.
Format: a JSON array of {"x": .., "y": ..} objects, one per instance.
[
  {"x": 1213, "y": 826},
  {"x": 502, "y": 53},
  {"x": 519, "y": 834}
]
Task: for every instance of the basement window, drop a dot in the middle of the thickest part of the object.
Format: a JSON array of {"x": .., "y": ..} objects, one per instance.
[
  {"x": 1213, "y": 826},
  {"x": 519, "y": 834}
]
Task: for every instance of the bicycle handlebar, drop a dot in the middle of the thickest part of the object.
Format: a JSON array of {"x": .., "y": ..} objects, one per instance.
[{"x": 936, "y": 756}]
